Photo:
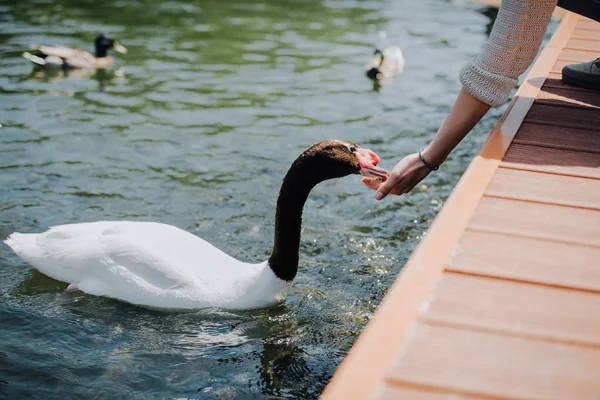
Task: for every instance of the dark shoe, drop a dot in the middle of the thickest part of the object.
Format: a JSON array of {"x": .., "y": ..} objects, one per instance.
[{"x": 584, "y": 75}]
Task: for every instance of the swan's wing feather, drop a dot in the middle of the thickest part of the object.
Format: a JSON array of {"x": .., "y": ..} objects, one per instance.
[
  {"x": 160, "y": 255},
  {"x": 138, "y": 262}
]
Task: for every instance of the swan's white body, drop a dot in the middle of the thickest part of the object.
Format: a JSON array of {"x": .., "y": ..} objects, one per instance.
[{"x": 149, "y": 264}]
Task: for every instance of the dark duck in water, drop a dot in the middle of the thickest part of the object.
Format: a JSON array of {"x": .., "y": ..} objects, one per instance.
[{"x": 67, "y": 58}]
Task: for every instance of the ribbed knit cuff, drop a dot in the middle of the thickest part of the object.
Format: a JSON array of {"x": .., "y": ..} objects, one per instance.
[{"x": 490, "y": 88}]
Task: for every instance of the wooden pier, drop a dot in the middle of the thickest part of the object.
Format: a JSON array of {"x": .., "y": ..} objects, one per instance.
[{"x": 501, "y": 299}]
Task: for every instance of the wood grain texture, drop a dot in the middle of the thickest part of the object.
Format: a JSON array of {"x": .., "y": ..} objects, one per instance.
[
  {"x": 558, "y": 137},
  {"x": 498, "y": 365},
  {"x": 588, "y": 24},
  {"x": 554, "y": 76},
  {"x": 554, "y": 80},
  {"x": 527, "y": 259},
  {"x": 568, "y": 96},
  {"x": 550, "y": 160},
  {"x": 404, "y": 392},
  {"x": 585, "y": 34},
  {"x": 584, "y": 44},
  {"x": 555, "y": 115},
  {"x": 518, "y": 308},
  {"x": 541, "y": 221},
  {"x": 545, "y": 188},
  {"x": 560, "y": 64},
  {"x": 578, "y": 55}
]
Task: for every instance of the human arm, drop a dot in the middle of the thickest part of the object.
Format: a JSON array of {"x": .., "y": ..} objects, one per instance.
[
  {"x": 465, "y": 113},
  {"x": 487, "y": 81}
]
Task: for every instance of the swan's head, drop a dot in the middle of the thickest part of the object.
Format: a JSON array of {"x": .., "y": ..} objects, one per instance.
[{"x": 338, "y": 158}]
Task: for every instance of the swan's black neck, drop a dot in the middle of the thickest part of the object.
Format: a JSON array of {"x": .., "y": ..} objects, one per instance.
[{"x": 297, "y": 184}]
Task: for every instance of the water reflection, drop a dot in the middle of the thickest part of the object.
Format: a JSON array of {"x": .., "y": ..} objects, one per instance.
[
  {"x": 141, "y": 340},
  {"x": 102, "y": 76}
]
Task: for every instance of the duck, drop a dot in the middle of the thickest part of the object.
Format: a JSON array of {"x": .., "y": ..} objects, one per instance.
[
  {"x": 160, "y": 266},
  {"x": 385, "y": 63},
  {"x": 68, "y": 58}
]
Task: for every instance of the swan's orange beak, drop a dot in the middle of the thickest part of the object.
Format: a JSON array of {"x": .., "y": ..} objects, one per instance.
[{"x": 368, "y": 161}]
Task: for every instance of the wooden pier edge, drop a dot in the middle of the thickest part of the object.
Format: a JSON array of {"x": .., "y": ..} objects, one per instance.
[{"x": 361, "y": 374}]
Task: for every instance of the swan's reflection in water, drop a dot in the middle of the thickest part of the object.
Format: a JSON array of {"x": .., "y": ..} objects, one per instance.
[{"x": 135, "y": 342}]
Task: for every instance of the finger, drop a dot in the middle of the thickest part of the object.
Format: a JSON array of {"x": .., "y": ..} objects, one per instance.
[
  {"x": 372, "y": 183},
  {"x": 397, "y": 191},
  {"x": 386, "y": 187},
  {"x": 413, "y": 184}
]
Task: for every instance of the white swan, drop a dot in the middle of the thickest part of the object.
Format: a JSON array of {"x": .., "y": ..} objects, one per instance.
[{"x": 161, "y": 266}]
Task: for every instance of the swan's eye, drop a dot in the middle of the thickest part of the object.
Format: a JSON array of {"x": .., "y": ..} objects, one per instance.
[{"x": 352, "y": 149}]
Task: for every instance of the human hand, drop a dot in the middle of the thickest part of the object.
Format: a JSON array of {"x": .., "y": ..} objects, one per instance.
[{"x": 403, "y": 178}]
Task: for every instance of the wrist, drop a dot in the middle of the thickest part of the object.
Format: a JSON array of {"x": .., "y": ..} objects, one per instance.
[
  {"x": 426, "y": 164},
  {"x": 432, "y": 157}
]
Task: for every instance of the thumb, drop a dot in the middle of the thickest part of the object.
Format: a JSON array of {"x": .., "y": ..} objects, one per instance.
[{"x": 385, "y": 187}]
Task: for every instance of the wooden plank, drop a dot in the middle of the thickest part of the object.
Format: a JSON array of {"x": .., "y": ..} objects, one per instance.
[
  {"x": 535, "y": 220},
  {"x": 554, "y": 76},
  {"x": 567, "y": 95},
  {"x": 589, "y": 24},
  {"x": 545, "y": 188},
  {"x": 404, "y": 392},
  {"x": 517, "y": 308},
  {"x": 584, "y": 44},
  {"x": 578, "y": 55},
  {"x": 558, "y": 137},
  {"x": 527, "y": 259},
  {"x": 563, "y": 33},
  {"x": 560, "y": 64},
  {"x": 498, "y": 365},
  {"x": 584, "y": 34},
  {"x": 555, "y": 161},
  {"x": 587, "y": 19},
  {"x": 559, "y": 116},
  {"x": 554, "y": 80}
]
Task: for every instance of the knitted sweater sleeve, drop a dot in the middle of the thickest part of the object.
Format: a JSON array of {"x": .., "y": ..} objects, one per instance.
[{"x": 510, "y": 49}]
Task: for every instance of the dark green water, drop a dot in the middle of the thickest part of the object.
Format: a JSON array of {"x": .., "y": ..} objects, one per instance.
[{"x": 196, "y": 127}]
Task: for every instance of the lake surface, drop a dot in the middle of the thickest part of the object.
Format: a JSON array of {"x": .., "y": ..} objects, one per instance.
[{"x": 196, "y": 127}]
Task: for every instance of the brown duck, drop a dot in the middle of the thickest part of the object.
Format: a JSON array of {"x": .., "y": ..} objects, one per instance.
[{"x": 67, "y": 58}]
